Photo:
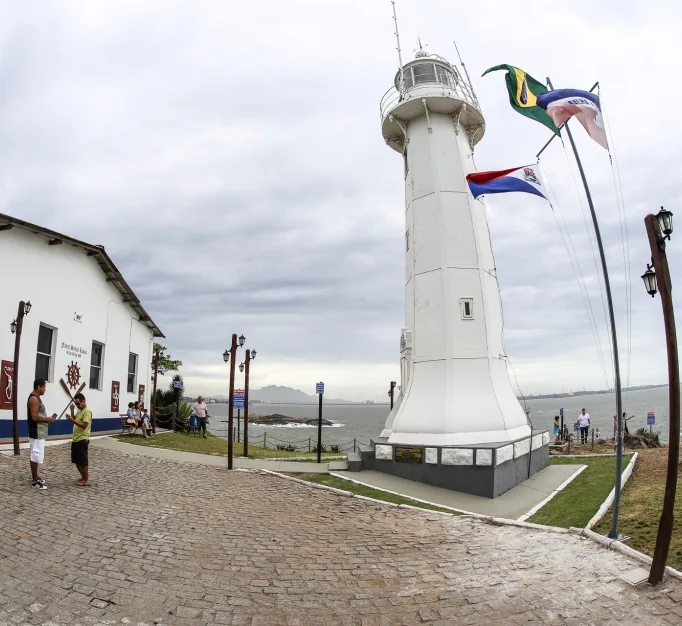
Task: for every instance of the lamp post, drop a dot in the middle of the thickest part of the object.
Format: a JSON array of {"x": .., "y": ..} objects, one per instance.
[
  {"x": 232, "y": 352},
  {"x": 156, "y": 376},
  {"x": 390, "y": 392},
  {"x": 250, "y": 356},
  {"x": 16, "y": 327},
  {"x": 657, "y": 278}
]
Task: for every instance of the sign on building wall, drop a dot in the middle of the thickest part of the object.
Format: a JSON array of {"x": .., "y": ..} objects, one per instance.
[
  {"x": 6, "y": 390},
  {"x": 115, "y": 396},
  {"x": 140, "y": 394}
]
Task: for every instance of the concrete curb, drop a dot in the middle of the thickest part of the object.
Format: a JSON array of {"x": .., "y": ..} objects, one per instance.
[
  {"x": 603, "y": 509},
  {"x": 494, "y": 521},
  {"x": 586, "y": 456},
  {"x": 562, "y": 486},
  {"x": 612, "y": 544}
]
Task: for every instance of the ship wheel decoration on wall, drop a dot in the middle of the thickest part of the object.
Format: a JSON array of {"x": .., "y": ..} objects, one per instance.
[{"x": 73, "y": 375}]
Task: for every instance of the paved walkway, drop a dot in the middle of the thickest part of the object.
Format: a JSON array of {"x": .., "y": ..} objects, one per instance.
[
  {"x": 510, "y": 505},
  {"x": 194, "y": 545}
]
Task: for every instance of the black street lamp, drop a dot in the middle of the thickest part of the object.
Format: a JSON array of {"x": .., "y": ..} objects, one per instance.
[
  {"x": 657, "y": 278},
  {"x": 665, "y": 221},
  {"x": 241, "y": 368},
  {"x": 16, "y": 326},
  {"x": 649, "y": 278},
  {"x": 232, "y": 352}
]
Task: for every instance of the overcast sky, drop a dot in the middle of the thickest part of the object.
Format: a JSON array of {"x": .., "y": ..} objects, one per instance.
[{"x": 229, "y": 157}]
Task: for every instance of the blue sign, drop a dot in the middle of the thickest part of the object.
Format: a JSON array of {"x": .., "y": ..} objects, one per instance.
[
  {"x": 320, "y": 388},
  {"x": 178, "y": 384},
  {"x": 238, "y": 399},
  {"x": 575, "y": 427},
  {"x": 561, "y": 411},
  {"x": 650, "y": 418}
]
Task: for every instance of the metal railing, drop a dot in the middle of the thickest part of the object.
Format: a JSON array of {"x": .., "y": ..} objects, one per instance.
[{"x": 460, "y": 91}]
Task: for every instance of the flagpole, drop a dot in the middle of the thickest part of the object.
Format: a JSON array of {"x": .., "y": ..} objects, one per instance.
[{"x": 613, "y": 533}]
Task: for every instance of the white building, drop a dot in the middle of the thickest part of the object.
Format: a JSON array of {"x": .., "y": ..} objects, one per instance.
[{"x": 85, "y": 327}]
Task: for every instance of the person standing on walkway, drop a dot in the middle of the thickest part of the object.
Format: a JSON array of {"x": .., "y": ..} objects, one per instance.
[
  {"x": 82, "y": 423},
  {"x": 584, "y": 423},
  {"x": 201, "y": 410},
  {"x": 38, "y": 422}
]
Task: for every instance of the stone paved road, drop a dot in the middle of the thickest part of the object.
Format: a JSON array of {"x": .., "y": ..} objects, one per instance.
[{"x": 195, "y": 545}]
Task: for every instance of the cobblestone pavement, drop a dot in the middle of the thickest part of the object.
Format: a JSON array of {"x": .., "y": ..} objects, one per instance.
[{"x": 182, "y": 544}]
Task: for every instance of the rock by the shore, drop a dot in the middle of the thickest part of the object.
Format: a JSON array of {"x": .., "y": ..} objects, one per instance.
[{"x": 277, "y": 419}]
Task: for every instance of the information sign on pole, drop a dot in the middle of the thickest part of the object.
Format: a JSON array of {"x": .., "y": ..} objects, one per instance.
[
  {"x": 238, "y": 398},
  {"x": 320, "y": 388},
  {"x": 650, "y": 418},
  {"x": 178, "y": 384}
]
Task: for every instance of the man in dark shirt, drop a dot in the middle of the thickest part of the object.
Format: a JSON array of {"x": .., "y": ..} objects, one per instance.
[{"x": 37, "y": 431}]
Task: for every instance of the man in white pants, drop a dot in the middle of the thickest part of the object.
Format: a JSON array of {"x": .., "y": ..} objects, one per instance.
[
  {"x": 37, "y": 431},
  {"x": 584, "y": 423}
]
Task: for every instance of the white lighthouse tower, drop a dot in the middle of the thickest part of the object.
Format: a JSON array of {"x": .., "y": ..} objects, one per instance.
[{"x": 456, "y": 406}]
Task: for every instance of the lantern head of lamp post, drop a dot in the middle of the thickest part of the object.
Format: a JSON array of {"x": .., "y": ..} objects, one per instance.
[
  {"x": 27, "y": 306},
  {"x": 242, "y": 339},
  {"x": 241, "y": 368},
  {"x": 665, "y": 220},
  {"x": 226, "y": 356},
  {"x": 13, "y": 326},
  {"x": 253, "y": 354},
  {"x": 650, "y": 284}
]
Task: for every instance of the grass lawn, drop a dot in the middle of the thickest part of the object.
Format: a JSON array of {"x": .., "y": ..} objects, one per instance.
[
  {"x": 212, "y": 445},
  {"x": 580, "y": 500},
  {"x": 641, "y": 503},
  {"x": 361, "y": 490}
]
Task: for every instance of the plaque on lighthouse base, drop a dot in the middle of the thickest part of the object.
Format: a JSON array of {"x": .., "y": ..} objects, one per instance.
[{"x": 486, "y": 470}]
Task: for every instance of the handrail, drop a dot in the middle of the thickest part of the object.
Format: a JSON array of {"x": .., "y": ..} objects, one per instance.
[{"x": 393, "y": 97}]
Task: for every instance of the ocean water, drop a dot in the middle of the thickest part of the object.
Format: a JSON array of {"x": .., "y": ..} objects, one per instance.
[{"x": 362, "y": 421}]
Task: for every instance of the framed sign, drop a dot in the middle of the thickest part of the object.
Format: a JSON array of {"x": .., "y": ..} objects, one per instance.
[
  {"x": 6, "y": 385},
  {"x": 115, "y": 396},
  {"x": 140, "y": 394},
  {"x": 408, "y": 455}
]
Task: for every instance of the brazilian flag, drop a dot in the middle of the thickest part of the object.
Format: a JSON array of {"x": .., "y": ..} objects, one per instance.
[{"x": 523, "y": 93}]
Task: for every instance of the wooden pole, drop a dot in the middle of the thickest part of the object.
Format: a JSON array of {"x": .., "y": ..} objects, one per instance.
[
  {"x": 156, "y": 376},
  {"x": 246, "y": 402},
  {"x": 15, "y": 378},
  {"x": 665, "y": 525},
  {"x": 230, "y": 414}
]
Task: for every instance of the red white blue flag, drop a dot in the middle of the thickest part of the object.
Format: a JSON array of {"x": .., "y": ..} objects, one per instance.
[
  {"x": 526, "y": 179},
  {"x": 562, "y": 104}
]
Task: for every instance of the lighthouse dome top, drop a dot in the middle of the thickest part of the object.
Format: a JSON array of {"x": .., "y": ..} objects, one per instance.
[{"x": 430, "y": 80}]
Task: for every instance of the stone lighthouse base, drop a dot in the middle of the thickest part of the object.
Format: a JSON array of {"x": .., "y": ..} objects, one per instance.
[{"x": 486, "y": 470}]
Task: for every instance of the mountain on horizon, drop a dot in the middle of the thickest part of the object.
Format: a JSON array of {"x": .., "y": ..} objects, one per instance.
[{"x": 274, "y": 394}]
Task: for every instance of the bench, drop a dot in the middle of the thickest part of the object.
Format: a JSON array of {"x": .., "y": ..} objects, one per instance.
[{"x": 131, "y": 429}]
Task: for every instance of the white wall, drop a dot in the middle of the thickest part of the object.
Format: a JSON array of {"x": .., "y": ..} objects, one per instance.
[{"x": 61, "y": 281}]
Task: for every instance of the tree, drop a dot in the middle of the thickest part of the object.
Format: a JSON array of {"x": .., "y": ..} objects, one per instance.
[{"x": 166, "y": 362}]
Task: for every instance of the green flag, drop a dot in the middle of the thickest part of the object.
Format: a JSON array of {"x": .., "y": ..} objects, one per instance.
[{"x": 523, "y": 93}]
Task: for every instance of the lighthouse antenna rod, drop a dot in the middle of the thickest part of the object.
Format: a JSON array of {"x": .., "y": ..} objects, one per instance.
[
  {"x": 400, "y": 56},
  {"x": 466, "y": 72}
]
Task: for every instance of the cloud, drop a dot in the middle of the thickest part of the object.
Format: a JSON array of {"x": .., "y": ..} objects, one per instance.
[{"x": 231, "y": 161}]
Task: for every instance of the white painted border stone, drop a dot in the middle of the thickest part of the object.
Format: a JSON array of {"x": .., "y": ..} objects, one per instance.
[
  {"x": 504, "y": 454},
  {"x": 383, "y": 453},
  {"x": 431, "y": 456},
  {"x": 625, "y": 476},
  {"x": 545, "y": 438},
  {"x": 521, "y": 448},
  {"x": 456, "y": 456},
  {"x": 484, "y": 457},
  {"x": 537, "y": 441}
]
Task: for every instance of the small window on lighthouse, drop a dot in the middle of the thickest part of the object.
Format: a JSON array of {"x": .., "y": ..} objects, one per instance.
[
  {"x": 407, "y": 241},
  {"x": 467, "y": 308},
  {"x": 407, "y": 166}
]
